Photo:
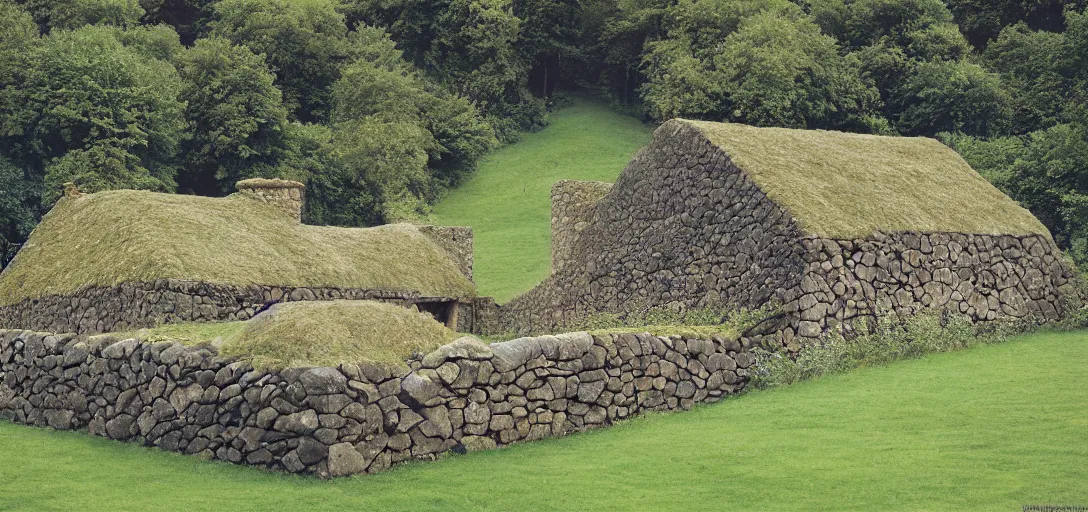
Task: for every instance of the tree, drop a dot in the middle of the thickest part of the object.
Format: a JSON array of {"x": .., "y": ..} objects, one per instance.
[
  {"x": 1038, "y": 70},
  {"x": 471, "y": 46},
  {"x": 302, "y": 41},
  {"x": 190, "y": 18},
  {"x": 235, "y": 115},
  {"x": 19, "y": 207},
  {"x": 952, "y": 96},
  {"x": 546, "y": 36},
  {"x": 73, "y": 14},
  {"x": 982, "y": 20},
  {"x": 397, "y": 136},
  {"x": 773, "y": 68},
  {"x": 116, "y": 111}
]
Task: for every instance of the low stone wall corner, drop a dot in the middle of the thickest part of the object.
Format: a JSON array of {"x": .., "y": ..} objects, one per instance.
[{"x": 355, "y": 418}]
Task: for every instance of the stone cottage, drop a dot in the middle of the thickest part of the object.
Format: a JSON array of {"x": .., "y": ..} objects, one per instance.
[
  {"x": 832, "y": 226},
  {"x": 129, "y": 259}
]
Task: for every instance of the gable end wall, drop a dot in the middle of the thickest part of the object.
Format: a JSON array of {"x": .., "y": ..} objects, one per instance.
[{"x": 684, "y": 228}]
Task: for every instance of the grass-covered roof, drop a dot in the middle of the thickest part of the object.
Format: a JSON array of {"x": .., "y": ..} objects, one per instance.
[
  {"x": 845, "y": 185},
  {"x": 136, "y": 236},
  {"x": 314, "y": 333}
]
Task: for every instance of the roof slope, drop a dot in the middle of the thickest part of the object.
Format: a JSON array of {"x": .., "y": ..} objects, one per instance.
[
  {"x": 845, "y": 185},
  {"x": 136, "y": 236}
]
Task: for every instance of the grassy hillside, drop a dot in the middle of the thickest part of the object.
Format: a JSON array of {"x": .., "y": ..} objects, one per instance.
[
  {"x": 507, "y": 202},
  {"x": 991, "y": 428}
]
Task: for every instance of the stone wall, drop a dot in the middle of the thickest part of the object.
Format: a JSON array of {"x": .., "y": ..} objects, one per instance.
[
  {"x": 684, "y": 228},
  {"x": 285, "y": 195},
  {"x": 138, "y": 305},
  {"x": 984, "y": 277},
  {"x": 357, "y": 418},
  {"x": 456, "y": 241},
  {"x": 573, "y": 206}
]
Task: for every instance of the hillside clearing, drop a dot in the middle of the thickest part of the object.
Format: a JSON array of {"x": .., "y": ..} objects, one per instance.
[
  {"x": 508, "y": 201},
  {"x": 991, "y": 428}
]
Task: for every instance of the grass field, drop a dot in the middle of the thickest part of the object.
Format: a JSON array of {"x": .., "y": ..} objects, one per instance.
[
  {"x": 508, "y": 201},
  {"x": 990, "y": 428}
]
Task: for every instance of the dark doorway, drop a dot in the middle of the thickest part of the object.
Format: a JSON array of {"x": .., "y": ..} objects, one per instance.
[{"x": 443, "y": 310}]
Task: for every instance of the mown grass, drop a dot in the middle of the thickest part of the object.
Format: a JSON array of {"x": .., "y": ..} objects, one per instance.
[
  {"x": 508, "y": 201},
  {"x": 989, "y": 428}
]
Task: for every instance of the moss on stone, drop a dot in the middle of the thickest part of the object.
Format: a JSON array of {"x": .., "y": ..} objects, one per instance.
[
  {"x": 122, "y": 236},
  {"x": 845, "y": 185}
]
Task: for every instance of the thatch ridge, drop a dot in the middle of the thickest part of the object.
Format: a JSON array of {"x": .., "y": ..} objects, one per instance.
[
  {"x": 846, "y": 185},
  {"x": 114, "y": 237}
]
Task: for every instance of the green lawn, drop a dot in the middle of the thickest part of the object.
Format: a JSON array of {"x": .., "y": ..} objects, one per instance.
[
  {"x": 990, "y": 428},
  {"x": 507, "y": 202}
]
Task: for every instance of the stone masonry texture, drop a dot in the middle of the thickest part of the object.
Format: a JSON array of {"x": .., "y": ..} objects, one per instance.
[
  {"x": 573, "y": 204},
  {"x": 464, "y": 396},
  {"x": 139, "y": 305},
  {"x": 684, "y": 227},
  {"x": 285, "y": 195}
]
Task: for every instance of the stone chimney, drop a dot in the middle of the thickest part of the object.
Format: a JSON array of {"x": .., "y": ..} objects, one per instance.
[
  {"x": 573, "y": 207},
  {"x": 283, "y": 194},
  {"x": 455, "y": 240}
]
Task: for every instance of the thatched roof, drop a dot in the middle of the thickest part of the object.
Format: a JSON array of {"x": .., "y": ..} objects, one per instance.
[
  {"x": 136, "y": 236},
  {"x": 845, "y": 185},
  {"x": 313, "y": 333}
]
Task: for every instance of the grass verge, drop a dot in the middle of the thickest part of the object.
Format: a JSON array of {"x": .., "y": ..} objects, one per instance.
[{"x": 990, "y": 428}]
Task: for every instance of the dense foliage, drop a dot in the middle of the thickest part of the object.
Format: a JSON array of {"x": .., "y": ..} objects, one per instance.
[{"x": 382, "y": 105}]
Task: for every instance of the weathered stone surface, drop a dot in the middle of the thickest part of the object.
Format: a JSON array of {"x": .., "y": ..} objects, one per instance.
[
  {"x": 311, "y": 451},
  {"x": 323, "y": 381},
  {"x": 334, "y": 422},
  {"x": 467, "y": 347},
  {"x": 304, "y": 422},
  {"x": 685, "y": 227},
  {"x": 147, "y": 304},
  {"x": 345, "y": 460}
]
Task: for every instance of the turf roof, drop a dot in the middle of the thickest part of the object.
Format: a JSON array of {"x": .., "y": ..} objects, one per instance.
[
  {"x": 845, "y": 185},
  {"x": 137, "y": 236},
  {"x": 314, "y": 333},
  {"x": 328, "y": 333}
]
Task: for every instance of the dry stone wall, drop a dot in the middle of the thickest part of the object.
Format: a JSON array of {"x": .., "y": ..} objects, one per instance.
[
  {"x": 683, "y": 227},
  {"x": 357, "y": 418},
  {"x": 138, "y": 305},
  {"x": 573, "y": 204},
  {"x": 984, "y": 277}
]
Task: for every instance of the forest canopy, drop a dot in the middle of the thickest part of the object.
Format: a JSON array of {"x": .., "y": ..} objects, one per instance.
[{"x": 382, "y": 106}]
